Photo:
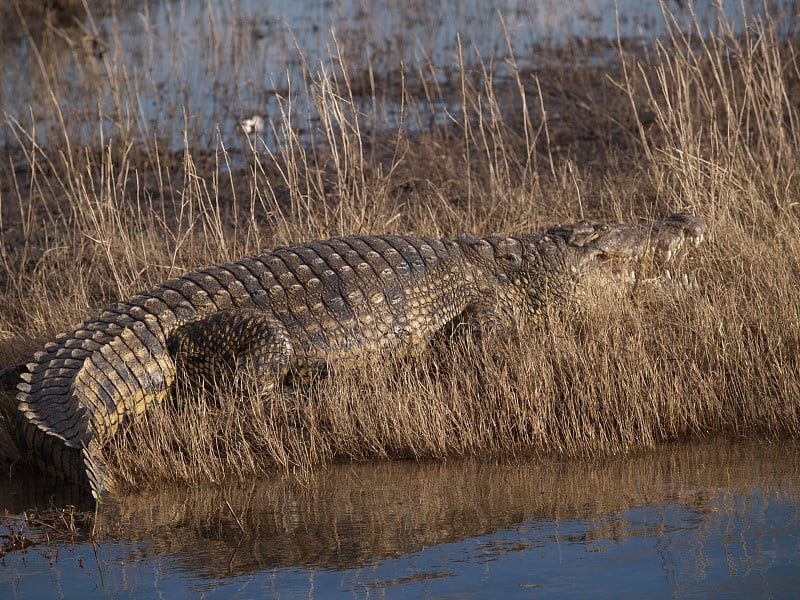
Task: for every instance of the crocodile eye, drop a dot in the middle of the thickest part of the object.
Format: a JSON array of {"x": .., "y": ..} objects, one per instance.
[{"x": 604, "y": 228}]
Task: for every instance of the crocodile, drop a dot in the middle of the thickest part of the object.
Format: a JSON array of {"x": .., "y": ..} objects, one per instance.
[{"x": 301, "y": 310}]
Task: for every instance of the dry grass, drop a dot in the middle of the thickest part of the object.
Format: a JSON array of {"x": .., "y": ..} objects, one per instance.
[{"x": 708, "y": 126}]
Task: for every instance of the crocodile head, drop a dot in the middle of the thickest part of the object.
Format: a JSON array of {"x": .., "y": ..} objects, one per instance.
[
  {"x": 618, "y": 250},
  {"x": 534, "y": 271}
]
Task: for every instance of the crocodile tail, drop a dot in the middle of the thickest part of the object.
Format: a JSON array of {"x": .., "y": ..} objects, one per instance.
[{"x": 77, "y": 392}]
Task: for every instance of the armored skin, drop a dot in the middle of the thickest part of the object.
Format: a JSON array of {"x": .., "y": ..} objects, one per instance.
[{"x": 303, "y": 309}]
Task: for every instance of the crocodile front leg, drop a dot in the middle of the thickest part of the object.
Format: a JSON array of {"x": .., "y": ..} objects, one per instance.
[{"x": 215, "y": 348}]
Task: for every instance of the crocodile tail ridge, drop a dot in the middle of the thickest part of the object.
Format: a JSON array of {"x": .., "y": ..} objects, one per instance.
[{"x": 77, "y": 392}]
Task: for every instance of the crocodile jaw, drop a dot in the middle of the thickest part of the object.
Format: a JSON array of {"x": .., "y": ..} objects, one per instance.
[{"x": 619, "y": 249}]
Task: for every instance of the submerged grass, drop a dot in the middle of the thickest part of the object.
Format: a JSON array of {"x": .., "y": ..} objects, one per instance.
[{"x": 706, "y": 125}]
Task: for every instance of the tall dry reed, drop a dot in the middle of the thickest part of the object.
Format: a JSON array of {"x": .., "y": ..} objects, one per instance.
[{"x": 708, "y": 125}]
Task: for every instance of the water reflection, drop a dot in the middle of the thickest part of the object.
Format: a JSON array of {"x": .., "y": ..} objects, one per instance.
[{"x": 689, "y": 520}]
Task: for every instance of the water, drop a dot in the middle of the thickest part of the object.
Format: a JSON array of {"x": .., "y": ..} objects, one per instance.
[
  {"x": 188, "y": 72},
  {"x": 700, "y": 520}
]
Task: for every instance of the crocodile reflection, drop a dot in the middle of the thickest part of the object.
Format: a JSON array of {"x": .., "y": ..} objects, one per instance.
[{"x": 351, "y": 515}]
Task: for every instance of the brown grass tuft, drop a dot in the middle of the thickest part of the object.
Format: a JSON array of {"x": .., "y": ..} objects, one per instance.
[{"x": 705, "y": 125}]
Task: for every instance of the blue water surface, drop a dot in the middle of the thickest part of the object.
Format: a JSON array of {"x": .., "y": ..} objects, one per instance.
[{"x": 699, "y": 537}]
